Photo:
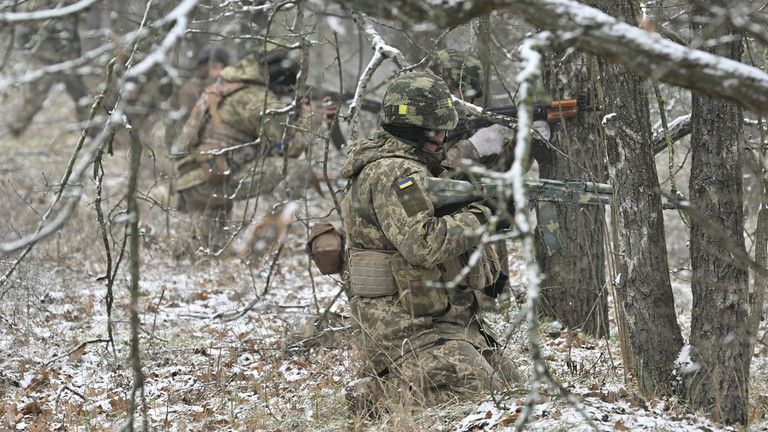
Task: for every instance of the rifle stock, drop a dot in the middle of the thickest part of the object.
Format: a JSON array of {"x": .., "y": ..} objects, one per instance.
[{"x": 443, "y": 192}]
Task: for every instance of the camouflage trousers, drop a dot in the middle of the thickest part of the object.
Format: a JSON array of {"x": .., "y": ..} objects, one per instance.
[
  {"x": 450, "y": 370},
  {"x": 210, "y": 205},
  {"x": 34, "y": 95}
]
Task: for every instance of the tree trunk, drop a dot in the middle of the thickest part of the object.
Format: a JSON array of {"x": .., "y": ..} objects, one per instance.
[
  {"x": 643, "y": 286},
  {"x": 573, "y": 290},
  {"x": 720, "y": 314}
]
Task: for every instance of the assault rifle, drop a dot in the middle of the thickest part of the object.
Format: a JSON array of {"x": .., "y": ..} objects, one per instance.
[
  {"x": 548, "y": 111},
  {"x": 447, "y": 193}
]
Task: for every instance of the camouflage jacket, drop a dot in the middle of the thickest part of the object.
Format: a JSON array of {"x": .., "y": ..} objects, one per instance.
[
  {"x": 240, "y": 111},
  {"x": 377, "y": 216}
]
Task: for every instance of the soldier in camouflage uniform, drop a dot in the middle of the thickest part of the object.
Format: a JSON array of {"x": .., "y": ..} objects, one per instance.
[
  {"x": 209, "y": 63},
  {"x": 415, "y": 334},
  {"x": 491, "y": 146},
  {"x": 230, "y": 115},
  {"x": 49, "y": 42}
]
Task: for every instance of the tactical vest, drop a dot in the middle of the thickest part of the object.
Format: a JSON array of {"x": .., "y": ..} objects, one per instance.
[{"x": 204, "y": 132}]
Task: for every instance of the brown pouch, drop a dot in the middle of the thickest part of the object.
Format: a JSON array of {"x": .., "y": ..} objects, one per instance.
[
  {"x": 215, "y": 167},
  {"x": 325, "y": 246}
]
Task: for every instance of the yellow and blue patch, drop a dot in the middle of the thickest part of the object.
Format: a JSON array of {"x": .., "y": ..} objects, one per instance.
[
  {"x": 410, "y": 196},
  {"x": 404, "y": 183}
]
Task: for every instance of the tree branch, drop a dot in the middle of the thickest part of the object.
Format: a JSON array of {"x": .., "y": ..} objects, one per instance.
[
  {"x": 40, "y": 15},
  {"x": 590, "y": 30}
]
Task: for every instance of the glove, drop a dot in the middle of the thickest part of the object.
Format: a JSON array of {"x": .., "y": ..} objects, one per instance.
[
  {"x": 495, "y": 289},
  {"x": 542, "y": 127},
  {"x": 504, "y": 221},
  {"x": 481, "y": 212},
  {"x": 489, "y": 141}
]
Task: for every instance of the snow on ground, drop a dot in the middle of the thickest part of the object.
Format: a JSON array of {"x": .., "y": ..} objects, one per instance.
[{"x": 266, "y": 370}]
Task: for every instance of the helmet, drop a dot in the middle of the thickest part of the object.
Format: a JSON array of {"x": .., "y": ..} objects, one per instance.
[
  {"x": 247, "y": 69},
  {"x": 283, "y": 65},
  {"x": 418, "y": 99},
  {"x": 459, "y": 70},
  {"x": 212, "y": 55}
]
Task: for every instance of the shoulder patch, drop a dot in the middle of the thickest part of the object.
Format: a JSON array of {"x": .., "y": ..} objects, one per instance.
[
  {"x": 404, "y": 183},
  {"x": 411, "y": 196}
]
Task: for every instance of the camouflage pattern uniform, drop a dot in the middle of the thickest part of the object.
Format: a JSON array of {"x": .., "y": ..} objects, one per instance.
[
  {"x": 424, "y": 338},
  {"x": 252, "y": 170},
  {"x": 188, "y": 94},
  {"x": 52, "y": 41},
  {"x": 491, "y": 146}
]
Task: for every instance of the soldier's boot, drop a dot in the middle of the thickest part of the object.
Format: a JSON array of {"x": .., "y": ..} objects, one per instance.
[
  {"x": 504, "y": 368},
  {"x": 364, "y": 396}
]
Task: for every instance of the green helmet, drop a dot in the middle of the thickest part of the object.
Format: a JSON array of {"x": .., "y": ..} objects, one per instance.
[
  {"x": 283, "y": 65},
  {"x": 418, "y": 99},
  {"x": 459, "y": 70}
]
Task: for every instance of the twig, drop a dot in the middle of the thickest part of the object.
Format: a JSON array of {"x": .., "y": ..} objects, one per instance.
[
  {"x": 231, "y": 316},
  {"x": 324, "y": 316},
  {"x": 41, "y": 15},
  {"x": 381, "y": 51},
  {"x": 68, "y": 353}
]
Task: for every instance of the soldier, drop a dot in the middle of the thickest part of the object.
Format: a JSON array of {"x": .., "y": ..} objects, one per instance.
[
  {"x": 231, "y": 150},
  {"x": 491, "y": 146},
  {"x": 209, "y": 63},
  {"x": 53, "y": 41},
  {"x": 415, "y": 335}
]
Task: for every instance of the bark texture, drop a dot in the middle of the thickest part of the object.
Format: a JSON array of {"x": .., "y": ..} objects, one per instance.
[
  {"x": 720, "y": 314},
  {"x": 573, "y": 23},
  {"x": 573, "y": 289},
  {"x": 643, "y": 286}
]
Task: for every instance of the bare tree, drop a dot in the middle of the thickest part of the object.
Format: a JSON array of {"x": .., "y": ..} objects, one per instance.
[
  {"x": 573, "y": 288},
  {"x": 720, "y": 344},
  {"x": 643, "y": 286}
]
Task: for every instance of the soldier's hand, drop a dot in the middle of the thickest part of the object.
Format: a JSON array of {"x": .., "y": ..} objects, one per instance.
[
  {"x": 305, "y": 107},
  {"x": 329, "y": 111},
  {"x": 503, "y": 215}
]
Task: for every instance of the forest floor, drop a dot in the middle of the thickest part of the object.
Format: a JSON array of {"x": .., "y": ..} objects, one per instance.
[{"x": 269, "y": 369}]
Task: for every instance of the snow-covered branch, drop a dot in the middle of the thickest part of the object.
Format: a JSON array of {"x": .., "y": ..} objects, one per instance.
[
  {"x": 180, "y": 15},
  {"x": 381, "y": 51},
  {"x": 19, "y": 17},
  {"x": 588, "y": 29},
  {"x": 63, "y": 208},
  {"x": 741, "y": 17},
  {"x": 527, "y": 77},
  {"x": 67, "y": 66}
]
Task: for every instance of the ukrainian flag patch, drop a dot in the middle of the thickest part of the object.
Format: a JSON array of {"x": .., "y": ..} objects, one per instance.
[
  {"x": 411, "y": 196},
  {"x": 404, "y": 183}
]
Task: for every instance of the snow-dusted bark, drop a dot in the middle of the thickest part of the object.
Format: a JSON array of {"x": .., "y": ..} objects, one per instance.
[
  {"x": 643, "y": 286},
  {"x": 720, "y": 312},
  {"x": 590, "y": 30},
  {"x": 573, "y": 290}
]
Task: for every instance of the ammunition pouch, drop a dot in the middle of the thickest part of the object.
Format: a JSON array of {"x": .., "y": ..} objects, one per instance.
[
  {"x": 215, "y": 168},
  {"x": 325, "y": 246},
  {"x": 484, "y": 273},
  {"x": 370, "y": 273},
  {"x": 418, "y": 295}
]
